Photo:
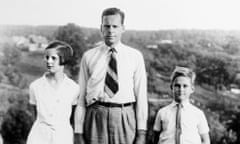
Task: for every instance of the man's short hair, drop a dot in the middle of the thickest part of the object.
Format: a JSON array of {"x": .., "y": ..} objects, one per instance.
[
  {"x": 64, "y": 51},
  {"x": 114, "y": 11},
  {"x": 183, "y": 71}
]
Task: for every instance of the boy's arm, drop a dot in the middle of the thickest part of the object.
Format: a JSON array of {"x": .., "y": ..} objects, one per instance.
[
  {"x": 157, "y": 128},
  {"x": 156, "y": 135},
  {"x": 205, "y": 138},
  {"x": 203, "y": 129}
]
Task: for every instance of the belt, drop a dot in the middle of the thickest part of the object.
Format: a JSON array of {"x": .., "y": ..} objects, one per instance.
[{"x": 108, "y": 104}]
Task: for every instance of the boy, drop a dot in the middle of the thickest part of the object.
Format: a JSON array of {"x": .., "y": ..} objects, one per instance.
[{"x": 181, "y": 122}]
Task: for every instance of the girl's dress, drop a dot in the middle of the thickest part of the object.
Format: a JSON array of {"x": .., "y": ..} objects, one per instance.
[{"x": 54, "y": 106}]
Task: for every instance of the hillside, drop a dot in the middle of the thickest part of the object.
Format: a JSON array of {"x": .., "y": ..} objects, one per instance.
[{"x": 214, "y": 55}]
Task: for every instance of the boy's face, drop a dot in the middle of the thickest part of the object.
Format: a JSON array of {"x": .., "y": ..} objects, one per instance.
[{"x": 182, "y": 88}]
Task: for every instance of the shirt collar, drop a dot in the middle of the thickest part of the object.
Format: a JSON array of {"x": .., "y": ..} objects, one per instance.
[
  {"x": 117, "y": 47},
  {"x": 45, "y": 77},
  {"x": 184, "y": 104}
]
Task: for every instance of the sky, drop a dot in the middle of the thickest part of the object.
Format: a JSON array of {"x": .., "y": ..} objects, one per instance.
[{"x": 140, "y": 14}]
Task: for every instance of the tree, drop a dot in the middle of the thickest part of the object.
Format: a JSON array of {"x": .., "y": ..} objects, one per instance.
[
  {"x": 17, "y": 122},
  {"x": 212, "y": 70},
  {"x": 74, "y": 36},
  {"x": 15, "y": 77},
  {"x": 12, "y": 55}
]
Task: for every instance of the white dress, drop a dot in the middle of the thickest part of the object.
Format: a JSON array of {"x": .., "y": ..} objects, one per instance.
[{"x": 54, "y": 106}]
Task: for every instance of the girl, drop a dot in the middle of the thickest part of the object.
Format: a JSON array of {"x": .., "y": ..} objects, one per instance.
[{"x": 53, "y": 95}]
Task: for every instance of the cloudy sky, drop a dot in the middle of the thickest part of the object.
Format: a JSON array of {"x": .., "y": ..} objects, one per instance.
[{"x": 140, "y": 14}]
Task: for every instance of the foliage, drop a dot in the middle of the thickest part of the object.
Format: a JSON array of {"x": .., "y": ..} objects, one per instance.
[
  {"x": 11, "y": 53},
  {"x": 17, "y": 121},
  {"x": 217, "y": 69},
  {"x": 11, "y": 57},
  {"x": 213, "y": 70},
  {"x": 212, "y": 54},
  {"x": 94, "y": 36},
  {"x": 233, "y": 131},
  {"x": 15, "y": 77},
  {"x": 73, "y": 35},
  {"x": 25, "y": 30}
]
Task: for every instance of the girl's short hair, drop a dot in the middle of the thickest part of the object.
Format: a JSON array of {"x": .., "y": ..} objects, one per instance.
[
  {"x": 183, "y": 71},
  {"x": 64, "y": 51}
]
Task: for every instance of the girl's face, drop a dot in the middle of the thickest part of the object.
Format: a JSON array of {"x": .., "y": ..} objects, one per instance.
[
  {"x": 53, "y": 61},
  {"x": 182, "y": 88}
]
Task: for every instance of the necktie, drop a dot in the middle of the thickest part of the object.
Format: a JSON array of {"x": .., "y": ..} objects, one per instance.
[
  {"x": 178, "y": 124},
  {"x": 111, "y": 80}
]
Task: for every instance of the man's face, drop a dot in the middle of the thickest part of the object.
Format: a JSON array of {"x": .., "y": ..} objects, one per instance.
[
  {"x": 112, "y": 29},
  {"x": 182, "y": 88}
]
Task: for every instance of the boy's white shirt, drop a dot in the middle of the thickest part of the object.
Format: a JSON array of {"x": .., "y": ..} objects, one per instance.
[{"x": 193, "y": 123}]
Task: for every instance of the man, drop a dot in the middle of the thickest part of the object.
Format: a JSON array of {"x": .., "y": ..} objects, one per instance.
[{"x": 112, "y": 107}]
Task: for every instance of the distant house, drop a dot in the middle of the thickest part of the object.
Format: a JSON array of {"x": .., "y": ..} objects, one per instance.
[
  {"x": 1, "y": 54},
  {"x": 33, "y": 47},
  {"x": 234, "y": 89},
  {"x": 160, "y": 42},
  {"x": 18, "y": 40},
  {"x": 37, "y": 43},
  {"x": 31, "y": 42},
  {"x": 165, "y": 42},
  {"x": 152, "y": 46}
]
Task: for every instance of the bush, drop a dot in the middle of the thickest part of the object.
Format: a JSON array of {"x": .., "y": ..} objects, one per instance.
[{"x": 17, "y": 122}]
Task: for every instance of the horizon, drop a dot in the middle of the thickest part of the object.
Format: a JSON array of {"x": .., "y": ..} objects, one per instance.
[
  {"x": 95, "y": 28},
  {"x": 140, "y": 15}
]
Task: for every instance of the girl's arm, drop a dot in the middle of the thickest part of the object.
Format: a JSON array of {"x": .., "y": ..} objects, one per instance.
[
  {"x": 205, "y": 138},
  {"x": 33, "y": 108}
]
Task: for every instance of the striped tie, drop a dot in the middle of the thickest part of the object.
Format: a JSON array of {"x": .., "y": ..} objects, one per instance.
[
  {"x": 111, "y": 80},
  {"x": 178, "y": 124}
]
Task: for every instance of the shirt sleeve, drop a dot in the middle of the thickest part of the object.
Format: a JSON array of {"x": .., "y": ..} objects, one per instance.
[
  {"x": 203, "y": 124},
  {"x": 81, "y": 109},
  {"x": 76, "y": 94},
  {"x": 32, "y": 97},
  {"x": 157, "y": 124},
  {"x": 140, "y": 91}
]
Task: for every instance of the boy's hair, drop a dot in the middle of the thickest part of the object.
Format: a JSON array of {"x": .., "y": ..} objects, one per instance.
[
  {"x": 182, "y": 71},
  {"x": 64, "y": 51},
  {"x": 114, "y": 11}
]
